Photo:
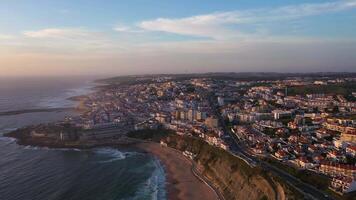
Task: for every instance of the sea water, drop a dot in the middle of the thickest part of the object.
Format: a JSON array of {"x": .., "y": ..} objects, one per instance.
[{"x": 32, "y": 173}]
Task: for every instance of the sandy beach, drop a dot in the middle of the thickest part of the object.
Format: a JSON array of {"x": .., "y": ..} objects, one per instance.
[{"x": 182, "y": 183}]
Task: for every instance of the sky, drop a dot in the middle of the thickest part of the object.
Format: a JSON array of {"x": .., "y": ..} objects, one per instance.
[{"x": 117, "y": 37}]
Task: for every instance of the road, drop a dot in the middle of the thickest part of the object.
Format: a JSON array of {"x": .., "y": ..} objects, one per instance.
[{"x": 309, "y": 191}]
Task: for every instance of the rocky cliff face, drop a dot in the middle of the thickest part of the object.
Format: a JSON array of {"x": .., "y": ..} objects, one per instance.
[{"x": 233, "y": 177}]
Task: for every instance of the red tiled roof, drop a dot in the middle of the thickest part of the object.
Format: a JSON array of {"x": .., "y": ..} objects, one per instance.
[
  {"x": 338, "y": 165},
  {"x": 353, "y": 148}
]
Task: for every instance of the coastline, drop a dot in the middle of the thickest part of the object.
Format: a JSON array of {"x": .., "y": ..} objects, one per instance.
[
  {"x": 182, "y": 182},
  {"x": 19, "y": 112},
  {"x": 79, "y": 108}
]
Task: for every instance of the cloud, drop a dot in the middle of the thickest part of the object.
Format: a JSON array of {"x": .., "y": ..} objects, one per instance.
[
  {"x": 194, "y": 57},
  {"x": 227, "y": 44},
  {"x": 215, "y": 25},
  {"x": 122, "y": 28},
  {"x": 6, "y": 37},
  {"x": 67, "y": 40},
  {"x": 127, "y": 29},
  {"x": 204, "y": 26},
  {"x": 68, "y": 33}
]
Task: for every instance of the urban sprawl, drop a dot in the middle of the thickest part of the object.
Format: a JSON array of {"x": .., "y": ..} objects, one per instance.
[{"x": 300, "y": 122}]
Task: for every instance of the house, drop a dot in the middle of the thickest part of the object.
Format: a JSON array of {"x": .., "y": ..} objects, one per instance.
[
  {"x": 259, "y": 149},
  {"x": 322, "y": 133},
  {"x": 292, "y": 125},
  {"x": 351, "y": 150},
  {"x": 312, "y": 149},
  {"x": 303, "y": 162},
  {"x": 340, "y": 144},
  {"x": 189, "y": 154},
  {"x": 318, "y": 158},
  {"x": 333, "y": 154},
  {"x": 336, "y": 169},
  {"x": 211, "y": 122},
  {"x": 278, "y": 114},
  {"x": 343, "y": 184},
  {"x": 349, "y": 136},
  {"x": 164, "y": 144},
  {"x": 298, "y": 151},
  {"x": 282, "y": 155}
]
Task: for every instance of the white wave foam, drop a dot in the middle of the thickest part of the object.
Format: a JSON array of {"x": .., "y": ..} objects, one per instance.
[
  {"x": 6, "y": 130},
  {"x": 28, "y": 147},
  {"x": 62, "y": 100},
  {"x": 50, "y": 149},
  {"x": 7, "y": 140},
  {"x": 155, "y": 187},
  {"x": 114, "y": 154}
]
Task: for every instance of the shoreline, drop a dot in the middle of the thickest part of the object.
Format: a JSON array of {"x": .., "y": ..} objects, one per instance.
[
  {"x": 79, "y": 108},
  {"x": 182, "y": 182},
  {"x": 36, "y": 110}
]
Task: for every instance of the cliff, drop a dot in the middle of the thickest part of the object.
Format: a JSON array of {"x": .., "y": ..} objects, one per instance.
[{"x": 234, "y": 178}]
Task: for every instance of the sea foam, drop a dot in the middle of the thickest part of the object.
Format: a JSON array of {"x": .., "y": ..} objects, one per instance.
[
  {"x": 114, "y": 154},
  {"x": 155, "y": 186}
]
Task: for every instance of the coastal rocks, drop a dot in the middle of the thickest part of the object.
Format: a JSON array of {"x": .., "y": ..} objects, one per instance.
[{"x": 61, "y": 136}]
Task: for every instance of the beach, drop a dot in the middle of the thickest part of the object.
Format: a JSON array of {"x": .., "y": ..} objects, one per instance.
[{"x": 182, "y": 183}]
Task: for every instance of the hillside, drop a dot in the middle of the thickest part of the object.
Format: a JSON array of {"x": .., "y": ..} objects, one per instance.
[{"x": 233, "y": 177}]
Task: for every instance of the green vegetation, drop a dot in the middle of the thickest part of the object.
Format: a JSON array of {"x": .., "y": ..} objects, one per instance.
[
  {"x": 190, "y": 89},
  {"x": 336, "y": 89},
  {"x": 350, "y": 160},
  {"x": 264, "y": 198},
  {"x": 270, "y": 132},
  {"x": 285, "y": 120},
  {"x": 231, "y": 175},
  {"x": 223, "y": 167},
  {"x": 351, "y": 117},
  {"x": 260, "y": 84},
  {"x": 150, "y": 134},
  {"x": 319, "y": 181},
  {"x": 350, "y": 97},
  {"x": 201, "y": 148}
]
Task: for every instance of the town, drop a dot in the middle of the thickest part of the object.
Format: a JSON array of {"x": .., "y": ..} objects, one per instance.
[{"x": 305, "y": 123}]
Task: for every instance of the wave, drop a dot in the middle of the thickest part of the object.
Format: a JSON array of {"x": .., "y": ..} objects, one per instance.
[
  {"x": 114, "y": 154},
  {"x": 6, "y": 130},
  {"x": 63, "y": 100},
  {"x": 7, "y": 140},
  {"x": 155, "y": 186},
  {"x": 28, "y": 147}
]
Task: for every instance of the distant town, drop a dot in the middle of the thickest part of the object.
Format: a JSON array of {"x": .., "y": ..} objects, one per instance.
[{"x": 285, "y": 123}]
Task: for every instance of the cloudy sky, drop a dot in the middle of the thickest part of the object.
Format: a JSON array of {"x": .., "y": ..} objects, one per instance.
[{"x": 117, "y": 37}]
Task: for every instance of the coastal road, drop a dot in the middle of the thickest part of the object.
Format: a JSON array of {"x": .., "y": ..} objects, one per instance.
[
  {"x": 206, "y": 181},
  {"x": 309, "y": 191}
]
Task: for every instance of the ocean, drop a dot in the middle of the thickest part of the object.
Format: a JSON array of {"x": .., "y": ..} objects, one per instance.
[{"x": 32, "y": 173}]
